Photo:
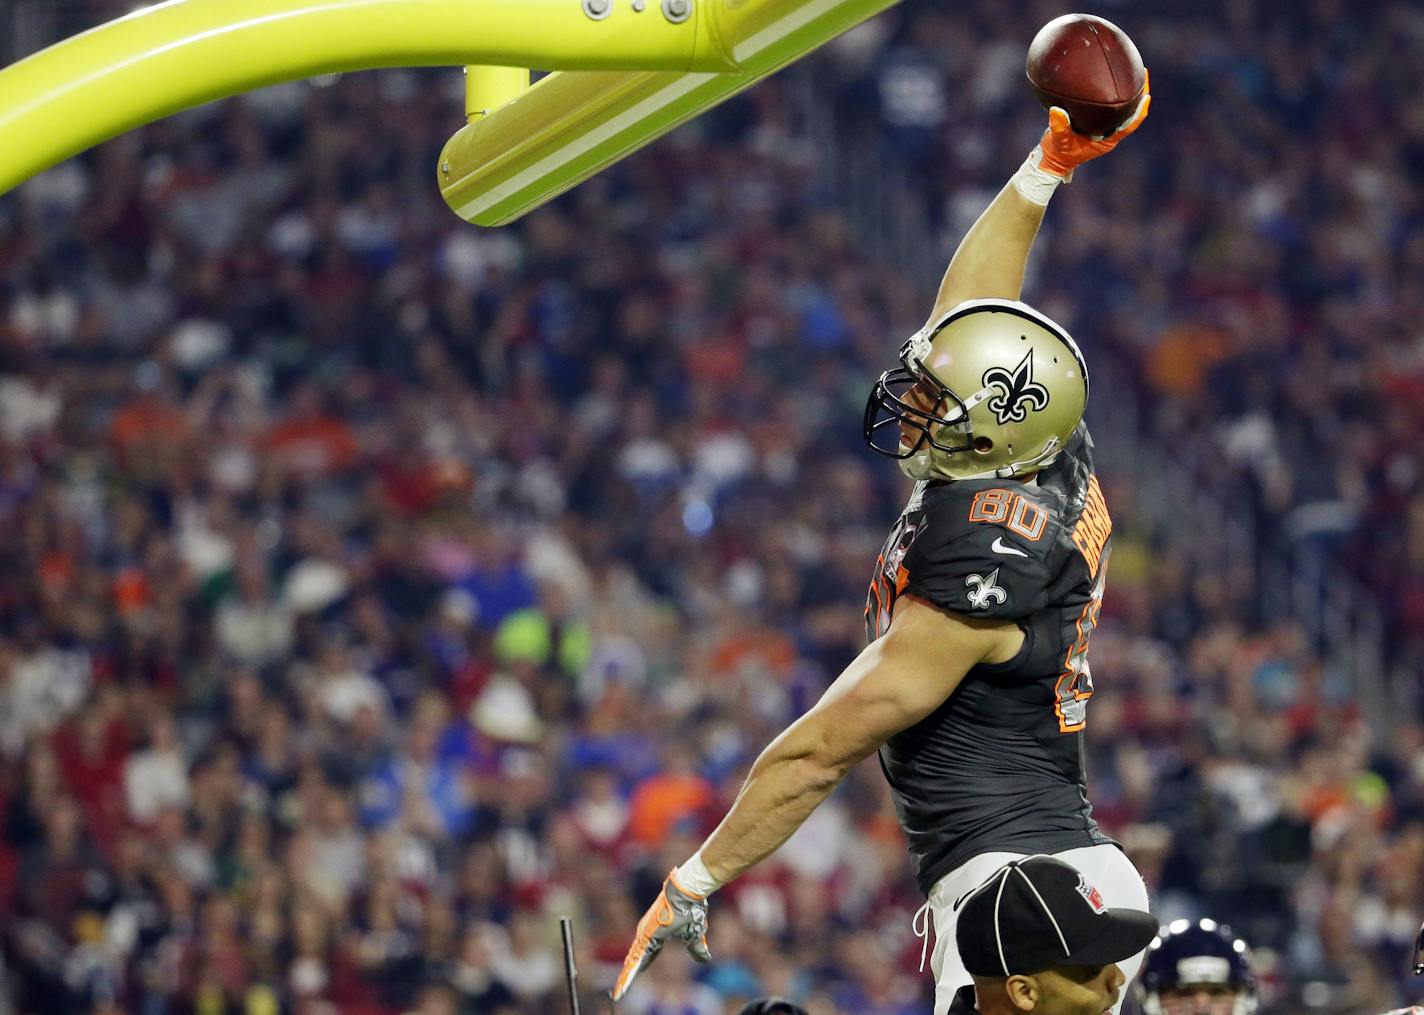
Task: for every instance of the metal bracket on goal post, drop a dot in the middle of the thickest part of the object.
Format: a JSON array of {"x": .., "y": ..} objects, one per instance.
[
  {"x": 625, "y": 72},
  {"x": 489, "y": 88}
]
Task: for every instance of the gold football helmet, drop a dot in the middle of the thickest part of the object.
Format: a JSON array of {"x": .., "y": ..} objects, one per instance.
[{"x": 991, "y": 389}]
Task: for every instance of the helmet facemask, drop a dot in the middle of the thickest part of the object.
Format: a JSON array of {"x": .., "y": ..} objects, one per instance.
[
  {"x": 1186, "y": 955},
  {"x": 893, "y": 413},
  {"x": 1241, "y": 999}
]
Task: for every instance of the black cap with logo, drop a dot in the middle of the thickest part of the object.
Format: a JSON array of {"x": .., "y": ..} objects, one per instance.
[{"x": 1038, "y": 913}]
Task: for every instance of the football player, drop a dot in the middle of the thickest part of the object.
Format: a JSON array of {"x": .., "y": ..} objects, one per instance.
[
  {"x": 1417, "y": 965},
  {"x": 975, "y": 683},
  {"x": 1198, "y": 968}
]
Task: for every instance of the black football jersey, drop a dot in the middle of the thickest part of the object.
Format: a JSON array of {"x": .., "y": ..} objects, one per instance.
[{"x": 999, "y": 765}]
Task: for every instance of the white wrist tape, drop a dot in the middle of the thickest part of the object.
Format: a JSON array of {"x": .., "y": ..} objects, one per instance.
[
  {"x": 1036, "y": 185},
  {"x": 694, "y": 877}
]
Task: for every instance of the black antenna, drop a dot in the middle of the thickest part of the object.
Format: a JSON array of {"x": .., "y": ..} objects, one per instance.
[{"x": 566, "y": 927}]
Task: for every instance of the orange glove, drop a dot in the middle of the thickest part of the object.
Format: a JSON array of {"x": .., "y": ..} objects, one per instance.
[
  {"x": 675, "y": 913},
  {"x": 1061, "y": 149}
]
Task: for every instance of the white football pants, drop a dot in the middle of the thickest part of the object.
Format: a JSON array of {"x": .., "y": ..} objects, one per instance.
[{"x": 1105, "y": 866}]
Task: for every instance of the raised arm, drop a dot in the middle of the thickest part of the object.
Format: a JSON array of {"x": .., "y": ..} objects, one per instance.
[{"x": 991, "y": 259}]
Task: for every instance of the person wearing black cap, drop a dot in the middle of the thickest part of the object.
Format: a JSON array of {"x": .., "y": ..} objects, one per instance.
[{"x": 1036, "y": 937}]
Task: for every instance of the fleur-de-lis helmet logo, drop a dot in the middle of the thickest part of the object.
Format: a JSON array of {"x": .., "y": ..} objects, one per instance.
[{"x": 1017, "y": 392}]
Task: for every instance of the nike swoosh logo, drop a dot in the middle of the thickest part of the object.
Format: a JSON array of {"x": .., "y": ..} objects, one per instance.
[{"x": 999, "y": 546}]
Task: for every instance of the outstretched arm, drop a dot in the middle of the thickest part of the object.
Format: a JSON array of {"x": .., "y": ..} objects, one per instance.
[
  {"x": 991, "y": 259},
  {"x": 894, "y": 683}
]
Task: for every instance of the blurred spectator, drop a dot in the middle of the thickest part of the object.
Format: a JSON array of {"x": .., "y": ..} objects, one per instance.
[
  {"x": 377, "y": 588},
  {"x": 156, "y": 776}
]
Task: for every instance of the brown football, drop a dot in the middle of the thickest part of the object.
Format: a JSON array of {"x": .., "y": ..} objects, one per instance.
[{"x": 1089, "y": 67}]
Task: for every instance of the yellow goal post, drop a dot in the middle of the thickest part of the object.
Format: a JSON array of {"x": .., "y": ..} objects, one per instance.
[{"x": 624, "y": 73}]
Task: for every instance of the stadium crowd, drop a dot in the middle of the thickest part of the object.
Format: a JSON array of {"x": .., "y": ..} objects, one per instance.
[{"x": 377, "y": 589}]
